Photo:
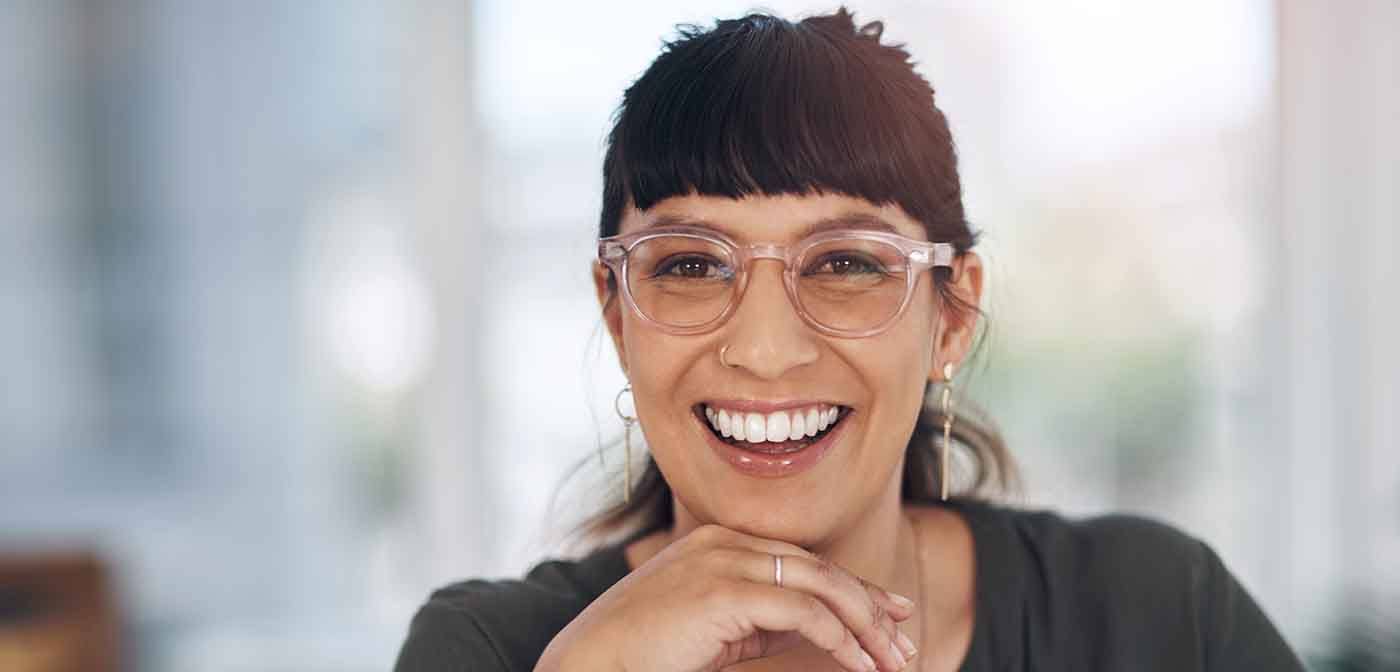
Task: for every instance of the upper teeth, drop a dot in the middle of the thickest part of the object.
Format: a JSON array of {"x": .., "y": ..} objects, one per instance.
[{"x": 775, "y": 427}]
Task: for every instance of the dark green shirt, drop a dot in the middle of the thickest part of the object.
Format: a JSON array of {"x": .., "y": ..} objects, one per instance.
[{"x": 1111, "y": 593}]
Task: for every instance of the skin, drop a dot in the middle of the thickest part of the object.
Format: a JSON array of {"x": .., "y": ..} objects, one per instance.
[{"x": 846, "y": 509}]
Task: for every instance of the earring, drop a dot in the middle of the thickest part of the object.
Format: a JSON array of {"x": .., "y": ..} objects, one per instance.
[
  {"x": 627, "y": 422},
  {"x": 947, "y": 406}
]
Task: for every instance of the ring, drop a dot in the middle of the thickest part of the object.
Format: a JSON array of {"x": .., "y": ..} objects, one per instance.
[
  {"x": 778, "y": 570},
  {"x": 721, "y": 357}
]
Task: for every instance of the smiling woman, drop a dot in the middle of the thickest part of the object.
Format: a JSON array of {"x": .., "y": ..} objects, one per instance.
[{"x": 787, "y": 275}]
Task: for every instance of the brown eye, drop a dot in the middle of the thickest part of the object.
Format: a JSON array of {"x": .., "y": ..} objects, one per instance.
[
  {"x": 846, "y": 263},
  {"x": 690, "y": 267}
]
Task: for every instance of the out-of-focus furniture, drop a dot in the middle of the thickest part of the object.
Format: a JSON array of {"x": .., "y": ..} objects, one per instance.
[{"x": 57, "y": 614}]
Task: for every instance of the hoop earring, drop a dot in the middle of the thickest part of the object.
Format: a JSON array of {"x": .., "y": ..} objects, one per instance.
[
  {"x": 946, "y": 404},
  {"x": 627, "y": 422}
]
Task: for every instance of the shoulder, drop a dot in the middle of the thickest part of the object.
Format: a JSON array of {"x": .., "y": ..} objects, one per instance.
[
  {"x": 1163, "y": 593},
  {"x": 505, "y": 624},
  {"x": 1124, "y": 563},
  {"x": 1121, "y": 546},
  {"x": 1123, "y": 591},
  {"x": 1110, "y": 546},
  {"x": 1105, "y": 592}
]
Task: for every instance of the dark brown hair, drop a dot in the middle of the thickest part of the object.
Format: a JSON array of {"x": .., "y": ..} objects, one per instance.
[{"x": 762, "y": 105}]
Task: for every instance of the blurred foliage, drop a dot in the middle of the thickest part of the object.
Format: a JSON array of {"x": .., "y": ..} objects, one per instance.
[
  {"x": 378, "y": 436},
  {"x": 1134, "y": 411},
  {"x": 1366, "y": 639},
  {"x": 1361, "y": 652}
]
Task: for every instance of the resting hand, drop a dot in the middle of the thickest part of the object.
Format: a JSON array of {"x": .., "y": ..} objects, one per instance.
[{"x": 710, "y": 600}]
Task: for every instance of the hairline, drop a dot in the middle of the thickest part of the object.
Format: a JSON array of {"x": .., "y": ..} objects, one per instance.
[{"x": 848, "y": 220}]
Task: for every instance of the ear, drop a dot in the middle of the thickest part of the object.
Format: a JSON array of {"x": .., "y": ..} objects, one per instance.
[
  {"x": 610, "y": 303},
  {"x": 953, "y": 335}
]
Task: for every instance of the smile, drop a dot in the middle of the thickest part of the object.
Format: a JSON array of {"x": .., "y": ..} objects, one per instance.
[
  {"x": 777, "y": 428},
  {"x": 775, "y": 443}
]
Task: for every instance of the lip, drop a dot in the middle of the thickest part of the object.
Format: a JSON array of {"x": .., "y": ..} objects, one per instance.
[
  {"x": 756, "y": 406},
  {"x": 782, "y": 465}
]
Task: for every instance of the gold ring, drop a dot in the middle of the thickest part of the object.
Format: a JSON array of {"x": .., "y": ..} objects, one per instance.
[
  {"x": 726, "y": 365},
  {"x": 778, "y": 570}
]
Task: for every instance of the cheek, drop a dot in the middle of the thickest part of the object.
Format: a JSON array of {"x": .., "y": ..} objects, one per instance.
[
  {"x": 906, "y": 351},
  {"x": 899, "y": 380},
  {"x": 896, "y": 366},
  {"x": 656, "y": 365},
  {"x": 921, "y": 323}
]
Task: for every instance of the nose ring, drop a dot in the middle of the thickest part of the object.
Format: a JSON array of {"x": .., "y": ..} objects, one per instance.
[{"x": 721, "y": 357}]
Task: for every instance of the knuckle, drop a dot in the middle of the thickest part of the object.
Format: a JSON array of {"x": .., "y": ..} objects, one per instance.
[
  {"x": 878, "y": 593},
  {"x": 715, "y": 557},
  {"x": 847, "y": 639},
  {"x": 720, "y": 594},
  {"x": 827, "y": 571},
  {"x": 877, "y": 615},
  {"x": 711, "y": 535},
  {"x": 723, "y": 560},
  {"x": 707, "y": 533}
]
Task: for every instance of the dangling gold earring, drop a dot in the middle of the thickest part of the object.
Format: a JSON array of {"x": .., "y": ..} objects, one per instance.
[
  {"x": 627, "y": 422},
  {"x": 947, "y": 406}
]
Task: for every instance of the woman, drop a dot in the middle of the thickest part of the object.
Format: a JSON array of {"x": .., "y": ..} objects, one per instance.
[{"x": 788, "y": 278}]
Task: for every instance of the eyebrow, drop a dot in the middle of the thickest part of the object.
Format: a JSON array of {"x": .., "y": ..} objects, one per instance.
[{"x": 852, "y": 220}]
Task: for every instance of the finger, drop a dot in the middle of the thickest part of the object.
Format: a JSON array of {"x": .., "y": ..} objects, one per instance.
[
  {"x": 870, "y": 611},
  {"x": 855, "y": 604},
  {"x": 904, "y": 611},
  {"x": 842, "y": 592},
  {"x": 900, "y": 607},
  {"x": 781, "y": 610}
]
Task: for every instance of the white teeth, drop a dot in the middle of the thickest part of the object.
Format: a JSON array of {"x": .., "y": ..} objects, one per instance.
[
  {"x": 778, "y": 426},
  {"x": 774, "y": 427},
  {"x": 756, "y": 427},
  {"x": 799, "y": 426}
]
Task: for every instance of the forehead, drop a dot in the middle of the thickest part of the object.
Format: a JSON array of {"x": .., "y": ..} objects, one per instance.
[{"x": 773, "y": 218}]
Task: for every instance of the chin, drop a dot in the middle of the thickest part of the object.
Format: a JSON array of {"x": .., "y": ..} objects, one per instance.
[
  {"x": 804, "y": 516},
  {"x": 803, "y": 496}
]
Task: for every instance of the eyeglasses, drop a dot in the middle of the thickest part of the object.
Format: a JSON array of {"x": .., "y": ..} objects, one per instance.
[{"x": 844, "y": 283}]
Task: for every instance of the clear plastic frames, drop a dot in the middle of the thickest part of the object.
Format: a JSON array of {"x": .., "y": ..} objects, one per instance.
[{"x": 847, "y": 283}]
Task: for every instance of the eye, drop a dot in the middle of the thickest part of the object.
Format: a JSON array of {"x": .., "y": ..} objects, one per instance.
[
  {"x": 846, "y": 263},
  {"x": 690, "y": 266}
]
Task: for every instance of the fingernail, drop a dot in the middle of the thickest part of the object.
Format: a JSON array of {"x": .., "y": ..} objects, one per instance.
[
  {"x": 907, "y": 645},
  {"x": 902, "y": 601},
  {"x": 869, "y": 662}
]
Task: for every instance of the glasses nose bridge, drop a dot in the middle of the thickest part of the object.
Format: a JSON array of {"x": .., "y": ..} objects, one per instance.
[
  {"x": 774, "y": 251},
  {"x": 759, "y": 251},
  {"x": 770, "y": 251}
]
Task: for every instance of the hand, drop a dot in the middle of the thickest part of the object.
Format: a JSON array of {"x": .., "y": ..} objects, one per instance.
[{"x": 709, "y": 600}]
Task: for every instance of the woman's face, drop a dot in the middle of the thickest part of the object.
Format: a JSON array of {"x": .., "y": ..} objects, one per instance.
[{"x": 778, "y": 364}]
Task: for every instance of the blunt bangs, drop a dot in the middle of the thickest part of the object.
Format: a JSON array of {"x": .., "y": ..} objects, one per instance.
[{"x": 763, "y": 106}]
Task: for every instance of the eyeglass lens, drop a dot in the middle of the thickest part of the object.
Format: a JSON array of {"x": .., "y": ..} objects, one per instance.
[{"x": 844, "y": 285}]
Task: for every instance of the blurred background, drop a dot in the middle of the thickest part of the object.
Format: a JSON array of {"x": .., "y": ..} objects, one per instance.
[{"x": 295, "y": 322}]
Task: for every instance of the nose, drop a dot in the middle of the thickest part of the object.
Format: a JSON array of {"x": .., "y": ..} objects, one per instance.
[{"x": 766, "y": 336}]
